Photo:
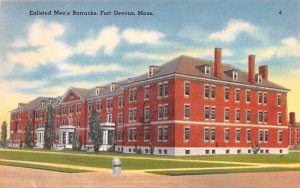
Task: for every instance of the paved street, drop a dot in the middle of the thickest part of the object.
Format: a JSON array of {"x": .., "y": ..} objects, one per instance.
[{"x": 24, "y": 177}]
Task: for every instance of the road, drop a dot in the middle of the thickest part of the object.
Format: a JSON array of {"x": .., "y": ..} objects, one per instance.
[{"x": 24, "y": 177}]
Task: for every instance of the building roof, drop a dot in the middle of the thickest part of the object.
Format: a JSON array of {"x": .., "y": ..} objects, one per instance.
[{"x": 188, "y": 66}]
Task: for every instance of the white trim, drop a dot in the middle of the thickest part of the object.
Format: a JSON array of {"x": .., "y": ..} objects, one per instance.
[
  {"x": 216, "y": 124},
  {"x": 207, "y": 79},
  {"x": 181, "y": 151}
]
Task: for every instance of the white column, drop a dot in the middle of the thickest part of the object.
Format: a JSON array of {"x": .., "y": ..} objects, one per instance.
[
  {"x": 67, "y": 137},
  {"x": 105, "y": 136}
]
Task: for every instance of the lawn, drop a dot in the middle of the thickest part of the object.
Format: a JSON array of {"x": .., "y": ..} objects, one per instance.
[
  {"x": 102, "y": 161},
  {"x": 146, "y": 162}
]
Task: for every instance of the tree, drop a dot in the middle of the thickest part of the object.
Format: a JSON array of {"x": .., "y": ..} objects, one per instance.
[
  {"x": 49, "y": 129},
  {"x": 4, "y": 134},
  {"x": 28, "y": 134},
  {"x": 95, "y": 130}
]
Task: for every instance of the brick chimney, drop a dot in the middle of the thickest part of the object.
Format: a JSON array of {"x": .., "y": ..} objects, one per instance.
[
  {"x": 218, "y": 62},
  {"x": 251, "y": 68},
  {"x": 292, "y": 118},
  {"x": 263, "y": 70}
]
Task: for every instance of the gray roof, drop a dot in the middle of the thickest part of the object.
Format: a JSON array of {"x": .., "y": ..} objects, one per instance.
[
  {"x": 81, "y": 91},
  {"x": 188, "y": 66}
]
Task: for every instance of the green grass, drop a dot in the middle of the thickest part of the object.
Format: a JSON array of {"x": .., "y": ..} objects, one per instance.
[
  {"x": 42, "y": 167},
  {"x": 101, "y": 161},
  {"x": 221, "y": 171}
]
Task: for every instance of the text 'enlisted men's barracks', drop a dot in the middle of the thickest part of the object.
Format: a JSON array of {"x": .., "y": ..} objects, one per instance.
[{"x": 187, "y": 106}]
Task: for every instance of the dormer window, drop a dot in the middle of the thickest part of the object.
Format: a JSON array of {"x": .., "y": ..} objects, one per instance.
[
  {"x": 207, "y": 70},
  {"x": 112, "y": 87},
  {"x": 97, "y": 90},
  {"x": 258, "y": 78},
  {"x": 129, "y": 79},
  {"x": 235, "y": 74},
  {"x": 150, "y": 73}
]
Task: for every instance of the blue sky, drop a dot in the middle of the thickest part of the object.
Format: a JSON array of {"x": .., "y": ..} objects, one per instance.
[{"x": 44, "y": 55}]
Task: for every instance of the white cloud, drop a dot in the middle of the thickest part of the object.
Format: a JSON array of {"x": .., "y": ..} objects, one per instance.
[
  {"x": 235, "y": 28},
  {"x": 108, "y": 39},
  {"x": 194, "y": 52},
  {"x": 19, "y": 43},
  {"x": 69, "y": 69},
  {"x": 289, "y": 47},
  {"x": 49, "y": 49},
  {"x": 135, "y": 36}
]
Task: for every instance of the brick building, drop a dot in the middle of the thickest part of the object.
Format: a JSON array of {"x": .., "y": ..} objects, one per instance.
[
  {"x": 187, "y": 106},
  {"x": 294, "y": 131}
]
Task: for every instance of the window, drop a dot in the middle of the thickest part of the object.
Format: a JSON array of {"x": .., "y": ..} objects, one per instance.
[
  {"x": 130, "y": 134},
  {"x": 134, "y": 95},
  {"x": 90, "y": 106},
  {"x": 146, "y": 134},
  {"x": 248, "y": 115},
  {"x": 120, "y": 101},
  {"x": 71, "y": 109},
  {"x": 266, "y": 136},
  {"x": 147, "y": 114},
  {"x": 160, "y": 90},
  {"x": 186, "y": 133},
  {"x": 207, "y": 69},
  {"x": 186, "y": 111},
  {"x": 97, "y": 91},
  {"x": 261, "y": 135},
  {"x": 134, "y": 114},
  {"x": 160, "y": 133},
  {"x": 78, "y": 108},
  {"x": 279, "y": 117},
  {"x": 206, "y": 134},
  {"x": 226, "y": 93},
  {"x": 166, "y": 89},
  {"x": 248, "y": 135},
  {"x": 226, "y": 114},
  {"x": 237, "y": 135},
  {"x": 212, "y": 134},
  {"x": 160, "y": 112},
  {"x": 165, "y": 137},
  {"x": 212, "y": 92},
  {"x": 120, "y": 135},
  {"x": 120, "y": 118},
  {"x": 212, "y": 113},
  {"x": 237, "y": 95},
  {"x": 77, "y": 122},
  {"x": 226, "y": 135},
  {"x": 206, "y": 112},
  {"x": 278, "y": 100},
  {"x": 259, "y": 98},
  {"x": 70, "y": 122},
  {"x": 146, "y": 92},
  {"x": 234, "y": 74},
  {"x": 109, "y": 117},
  {"x": 260, "y": 117},
  {"x": 166, "y": 111},
  {"x": 265, "y": 98},
  {"x": 130, "y": 95},
  {"x": 258, "y": 78},
  {"x": 186, "y": 89},
  {"x": 98, "y": 105},
  {"x": 265, "y": 117},
  {"x": 237, "y": 115},
  {"x": 248, "y": 96},
  {"x": 109, "y": 103},
  {"x": 206, "y": 92}
]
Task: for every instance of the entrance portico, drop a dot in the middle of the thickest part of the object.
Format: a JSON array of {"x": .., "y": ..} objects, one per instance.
[
  {"x": 108, "y": 130},
  {"x": 66, "y": 136},
  {"x": 39, "y": 136}
]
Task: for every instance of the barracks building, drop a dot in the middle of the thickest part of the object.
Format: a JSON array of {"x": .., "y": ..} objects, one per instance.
[{"x": 187, "y": 106}]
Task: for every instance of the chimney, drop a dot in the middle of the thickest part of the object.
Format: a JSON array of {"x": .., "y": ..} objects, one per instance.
[
  {"x": 251, "y": 68},
  {"x": 263, "y": 70},
  {"x": 292, "y": 118},
  {"x": 218, "y": 62}
]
